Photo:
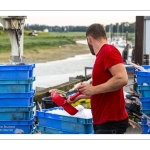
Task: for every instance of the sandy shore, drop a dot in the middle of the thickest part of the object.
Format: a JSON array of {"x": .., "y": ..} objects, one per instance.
[{"x": 41, "y": 56}]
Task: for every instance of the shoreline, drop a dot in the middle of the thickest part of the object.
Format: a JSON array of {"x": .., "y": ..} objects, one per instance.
[{"x": 52, "y": 54}]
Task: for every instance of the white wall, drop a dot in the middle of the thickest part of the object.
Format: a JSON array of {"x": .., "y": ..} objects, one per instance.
[{"x": 147, "y": 36}]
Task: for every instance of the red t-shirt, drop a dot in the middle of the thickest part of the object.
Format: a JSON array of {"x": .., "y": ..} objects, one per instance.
[{"x": 107, "y": 106}]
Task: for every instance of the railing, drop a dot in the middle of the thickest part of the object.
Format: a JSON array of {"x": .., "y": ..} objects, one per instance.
[
  {"x": 87, "y": 67},
  {"x": 129, "y": 69}
]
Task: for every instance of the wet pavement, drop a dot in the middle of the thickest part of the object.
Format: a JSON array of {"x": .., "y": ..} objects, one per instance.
[{"x": 132, "y": 130}]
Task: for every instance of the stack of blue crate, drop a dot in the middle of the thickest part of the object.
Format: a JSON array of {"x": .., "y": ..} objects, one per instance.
[
  {"x": 144, "y": 91},
  {"x": 50, "y": 123},
  {"x": 16, "y": 99}
]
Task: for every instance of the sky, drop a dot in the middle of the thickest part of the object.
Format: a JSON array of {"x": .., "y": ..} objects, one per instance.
[{"x": 76, "y": 18}]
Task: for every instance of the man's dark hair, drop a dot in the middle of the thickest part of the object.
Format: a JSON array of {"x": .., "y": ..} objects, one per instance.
[{"x": 96, "y": 31}]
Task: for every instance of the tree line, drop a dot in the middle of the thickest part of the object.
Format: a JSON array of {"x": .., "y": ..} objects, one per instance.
[{"x": 113, "y": 28}]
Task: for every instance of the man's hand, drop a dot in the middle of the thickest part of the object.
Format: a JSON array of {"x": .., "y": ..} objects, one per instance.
[{"x": 86, "y": 89}]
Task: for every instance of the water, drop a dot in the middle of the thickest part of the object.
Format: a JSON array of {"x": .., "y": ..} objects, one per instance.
[{"x": 57, "y": 72}]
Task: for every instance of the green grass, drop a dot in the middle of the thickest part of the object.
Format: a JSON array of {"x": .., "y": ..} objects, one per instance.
[
  {"x": 131, "y": 37},
  {"x": 42, "y": 41},
  {"x": 46, "y": 40}
]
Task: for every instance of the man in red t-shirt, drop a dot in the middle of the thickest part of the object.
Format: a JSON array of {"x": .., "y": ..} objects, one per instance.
[{"x": 106, "y": 91}]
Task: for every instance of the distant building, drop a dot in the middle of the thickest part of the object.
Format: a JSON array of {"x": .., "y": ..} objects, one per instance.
[{"x": 45, "y": 30}]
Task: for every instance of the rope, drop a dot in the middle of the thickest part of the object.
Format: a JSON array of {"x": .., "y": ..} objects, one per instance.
[{"x": 60, "y": 92}]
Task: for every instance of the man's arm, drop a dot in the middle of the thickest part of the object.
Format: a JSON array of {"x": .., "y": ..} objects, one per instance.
[{"x": 118, "y": 80}]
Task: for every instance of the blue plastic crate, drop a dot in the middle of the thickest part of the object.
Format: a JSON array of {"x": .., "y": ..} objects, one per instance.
[
  {"x": 145, "y": 127},
  {"x": 16, "y": 81},
  {"x": 10, "y": 116},
  {"x": 144, "y": 91},
  {"x": 44, "y": 113},
  {"x": 10, "y": 127},
  {"x": 16, "y": 113},
  {"x": 17, "y": 95},
  {"x": 70, "y": 93},
  {"x": 47, "y": 130},
  {"x": 16, "y": 86},
  {"x": 130, "y": 69},
  {"x": 18, "y": 122},
  {"x": 33, "y": 131},
  {"x": 66, "y": 126},
  {"x": 146, "y": 66},
  {"x": 143, "y": 77},
  {"x": 146, "y": 112},
  {"x": 145, "y": 103},
  {"x": 16, "y": 71},
  {"x": 17, "y": 109},
  {"x": 16, "y": 99},
  {"x": 64, "y": 123}
]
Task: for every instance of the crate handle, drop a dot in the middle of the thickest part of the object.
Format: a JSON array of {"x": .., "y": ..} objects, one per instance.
[
  {"x": 33, "y": 65},
  {"x": 31, "y": 79},
  {"x": 34, "y": 111},
  {"x": 33, "y": 130}
]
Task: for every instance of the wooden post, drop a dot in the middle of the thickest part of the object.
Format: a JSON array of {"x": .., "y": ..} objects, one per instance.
[{"x": 139, "y": 39}]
